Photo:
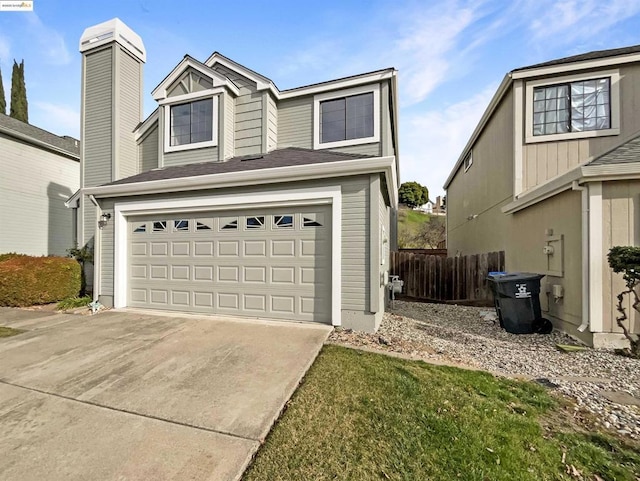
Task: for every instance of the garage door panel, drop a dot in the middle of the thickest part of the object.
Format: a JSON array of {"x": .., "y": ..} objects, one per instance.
[
  {"x": 203, "y": 248},
  {"x": 228, "y": 248},
  {"x": 218, "y": 264},
  {"x": 255, "y": 274},
  {"x": 255, "y": 248}
]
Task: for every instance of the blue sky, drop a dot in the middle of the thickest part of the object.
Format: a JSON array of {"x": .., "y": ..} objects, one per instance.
[{"x": 451, "y": 55}]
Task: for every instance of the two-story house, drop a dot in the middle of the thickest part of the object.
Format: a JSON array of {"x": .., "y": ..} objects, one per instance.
[
  {"x": 40, "y": 170},
  {"x": 551, "y": 175},
  {"x": 234, "y": 197}
]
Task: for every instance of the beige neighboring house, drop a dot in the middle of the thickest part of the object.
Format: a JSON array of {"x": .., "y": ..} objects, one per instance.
[
  {"x": 235, "y": 197},
  {"x": 551, "y": 175},
  {"x": 40, "y": 170}
]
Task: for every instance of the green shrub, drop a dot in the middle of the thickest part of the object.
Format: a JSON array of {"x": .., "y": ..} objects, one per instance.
[
  {"x": 26, "y": 281},
  {"x": 10, "y": 255},
  {"x": 73, "y": 303}
]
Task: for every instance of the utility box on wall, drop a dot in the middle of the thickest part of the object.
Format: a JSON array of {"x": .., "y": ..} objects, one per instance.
[{"x": 553, "y": 250}]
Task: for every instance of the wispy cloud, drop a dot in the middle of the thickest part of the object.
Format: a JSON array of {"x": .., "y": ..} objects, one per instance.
[
  {"x": 433, "y": 140},
  {"x": 56, "y": 118},
  {"x": 49, "y": 42},
  {"x": 577, "y": 20}
]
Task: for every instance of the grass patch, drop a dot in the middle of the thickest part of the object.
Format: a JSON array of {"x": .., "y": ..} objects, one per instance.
[
  {"x": 362, "y": 416},
  {"x": 9, "y": 331},
  {"x": 73, "y": 303}
]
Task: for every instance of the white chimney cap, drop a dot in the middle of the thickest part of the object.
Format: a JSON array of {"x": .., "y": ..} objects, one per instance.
[{"x": 110, "y": 31}]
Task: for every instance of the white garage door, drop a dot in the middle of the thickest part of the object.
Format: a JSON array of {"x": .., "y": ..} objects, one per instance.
[{"x": 272, "y": 263}]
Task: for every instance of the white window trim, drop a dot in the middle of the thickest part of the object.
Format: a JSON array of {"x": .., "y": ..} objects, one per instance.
[
  {"x": 375, "y": 88},
  {"x": 470, "y": 157},
  {"x": 614, "y": 97},
  {"x": 187, "y": 98},
  {"x": 331, "y": 195}
]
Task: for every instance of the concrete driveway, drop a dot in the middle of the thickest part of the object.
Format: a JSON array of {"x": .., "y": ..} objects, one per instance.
[{"x": 133, "y": 396}]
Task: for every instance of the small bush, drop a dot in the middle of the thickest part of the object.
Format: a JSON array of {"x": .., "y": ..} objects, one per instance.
[
  {"x": 26, "y": 281},
  {"x": 10, "y": 255},
  {"x": 73, "y": 303}
]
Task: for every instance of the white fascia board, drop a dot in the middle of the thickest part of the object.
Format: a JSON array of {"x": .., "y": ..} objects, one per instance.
[
  {"x": 357, "y": 81},
  {"x": 160, "y": 92},
  {"x": 309, "y": 196},
  {"x": 545, "y": 191},
  {"x": 73, "y": 199},
  {"x": 262, "y": 83},
  {"x": 255, "y": 177},
  {"x": 564, "y": 68},
  {"x": 611, "y": 171},
  {"x": 149, "y": 122},
  {"x": 493, "y": 105}
]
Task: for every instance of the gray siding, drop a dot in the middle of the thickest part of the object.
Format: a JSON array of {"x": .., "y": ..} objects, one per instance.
[
  {"x": 248, "y": 114},
  {"x": 365, "y": 149},
  {"x": 229, "y": 126},
  {"x": 148, "y": 151},
  {"x": 98, "y": 118},
  {"x": 33, "y": 188},
  {"x": 272, "y": 123},
  {"x": 295, "y": 123},
  {"x": 207, "y": 154},
  {"x": 355, "y": 236},
  {"x": 129, "y": 89}
]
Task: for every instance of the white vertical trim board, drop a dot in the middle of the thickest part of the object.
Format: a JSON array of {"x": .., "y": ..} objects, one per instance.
[
  {"x": 330, "y": 195},
  {"x": 518, "y": 137},
  {"x": 596, "y": 257}
]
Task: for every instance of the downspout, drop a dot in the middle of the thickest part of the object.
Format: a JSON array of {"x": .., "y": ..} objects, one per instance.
[
  {"x": 585, "y": 254},
  {"x": 97, "y": 248}
]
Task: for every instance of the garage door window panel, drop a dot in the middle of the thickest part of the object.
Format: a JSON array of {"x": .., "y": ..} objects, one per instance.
[
  {"x": 283, "y": 221},
  {"x": 255, "y": 222},
  {"x": 160, "y": 226}
]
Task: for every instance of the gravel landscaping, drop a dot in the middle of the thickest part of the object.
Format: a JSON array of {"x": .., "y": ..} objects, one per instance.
[{"x": 601, "y": 382}]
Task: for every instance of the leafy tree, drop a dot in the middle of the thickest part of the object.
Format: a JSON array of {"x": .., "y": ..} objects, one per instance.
[
  {"x": 3, "y": 101},
  {"x": 19, "y": 107},
  {"x": 626, "y": 260},
  {"x": 413, "y": 194}
]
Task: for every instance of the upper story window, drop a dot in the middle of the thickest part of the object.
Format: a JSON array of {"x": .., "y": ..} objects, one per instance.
[
  {"x": 574, "y": 106},
  {"x": 192, "y": 122},
  {"x": 347, "y": 117},
  {"x": 468, "y": 161}
]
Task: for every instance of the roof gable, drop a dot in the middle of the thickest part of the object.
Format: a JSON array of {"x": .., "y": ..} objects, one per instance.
[{"x": 161, "y": 92}]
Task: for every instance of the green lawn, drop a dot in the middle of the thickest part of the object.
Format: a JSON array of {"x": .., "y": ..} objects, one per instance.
[
  {"x": 362, "y": 416},
  {"x": 8, "y": 331}
]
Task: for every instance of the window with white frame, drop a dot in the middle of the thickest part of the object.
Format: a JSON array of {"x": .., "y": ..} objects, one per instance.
[
  {"x": 347, "y": 117},
  {"x": 573, "y": 106},
  {"x": 191, "y": 122},
  {"x": 468, "y": 161}
]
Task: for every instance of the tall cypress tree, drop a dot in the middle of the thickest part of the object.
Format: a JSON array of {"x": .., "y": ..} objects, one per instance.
[
  {"x": 19, "y": 107},
  {"x": 3, "y": 101}
]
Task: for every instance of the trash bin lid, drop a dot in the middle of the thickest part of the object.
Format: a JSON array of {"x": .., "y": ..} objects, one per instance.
[{"x": 515, "y": 276}]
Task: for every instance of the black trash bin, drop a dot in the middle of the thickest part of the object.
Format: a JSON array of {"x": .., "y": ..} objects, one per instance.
[{"x": 517, "y": 300}]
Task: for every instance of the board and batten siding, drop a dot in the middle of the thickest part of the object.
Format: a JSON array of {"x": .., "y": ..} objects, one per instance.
[
  {"x": 34, "y": 185},
  {"x": 148, "y": 150},
  {"x": 620, "y": 227},
  {"x": 206, "y": 154},
  {"x": 229, "y": 126},
  {"x": 248, "y": 114},
  {"x": 295, "y": 123},
  {"x": 272, "y": 123},
  {"x": 128, "y": 92},
  {"x": 355, "y": 234},
  {"x": 542, "y": 161},
  {"x": 97, "y": 135}
]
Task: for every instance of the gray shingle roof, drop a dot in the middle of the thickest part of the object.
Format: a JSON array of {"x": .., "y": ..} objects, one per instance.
[
  {"x": 288, "y": 157},
  {"x": 596, "y": 54},
  {"x": 624, "y": 154},
  {"x": 10, "y": 125}
]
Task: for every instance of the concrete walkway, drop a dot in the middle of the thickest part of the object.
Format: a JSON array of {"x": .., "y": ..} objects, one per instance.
[{"x": 134, "y": 396}]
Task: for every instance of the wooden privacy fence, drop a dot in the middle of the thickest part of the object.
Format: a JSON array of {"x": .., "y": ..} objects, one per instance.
[{"x": 437, "y": 278}]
